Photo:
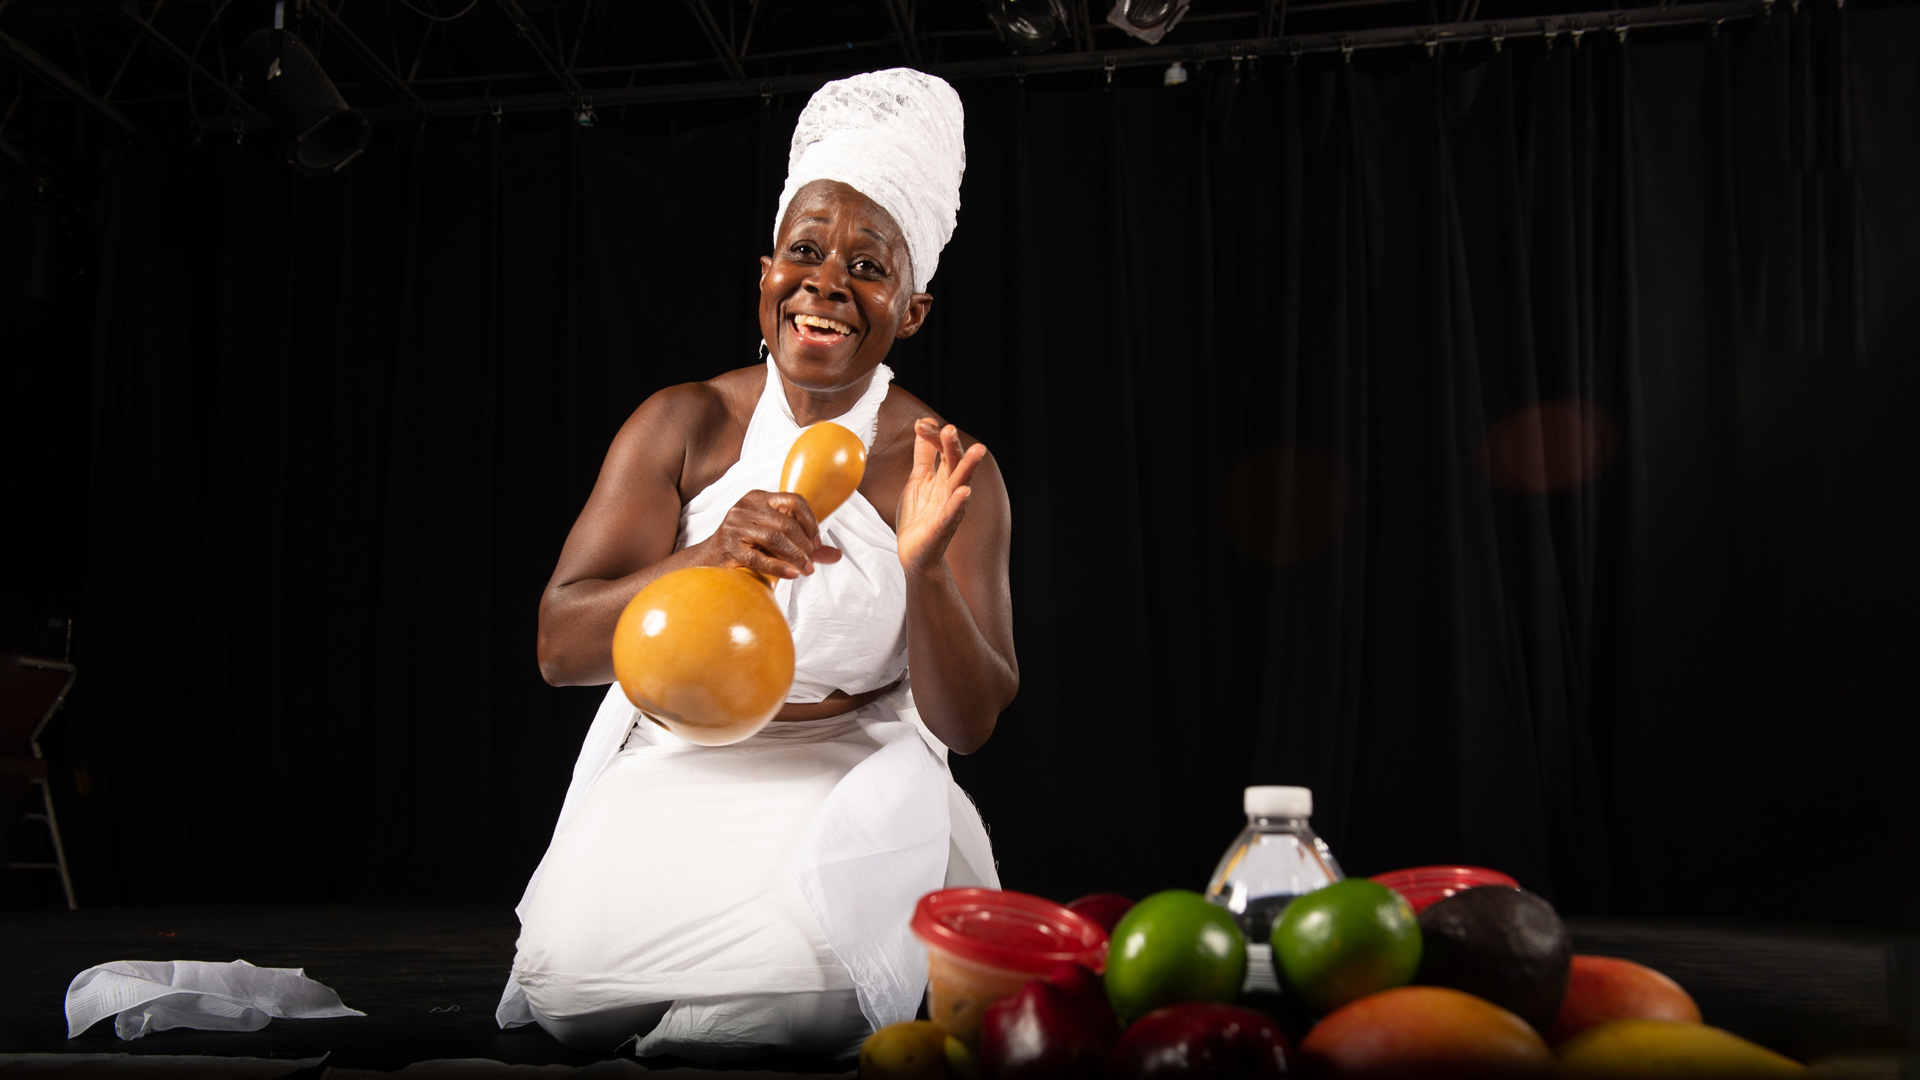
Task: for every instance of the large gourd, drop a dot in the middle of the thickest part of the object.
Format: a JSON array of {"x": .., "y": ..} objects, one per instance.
[{"x": 704, "y": 652}]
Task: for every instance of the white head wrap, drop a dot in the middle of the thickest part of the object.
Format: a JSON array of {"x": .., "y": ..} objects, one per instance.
[{"x": 897, "y": 137}]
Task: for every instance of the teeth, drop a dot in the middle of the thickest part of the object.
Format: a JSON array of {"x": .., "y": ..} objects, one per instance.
[{"x": 822, "y": 323}]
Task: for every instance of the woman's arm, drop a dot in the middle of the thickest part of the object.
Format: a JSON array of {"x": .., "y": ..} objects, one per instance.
[
  {"x": 955, "y": 529},
  {"x": 624, "y": 537}
]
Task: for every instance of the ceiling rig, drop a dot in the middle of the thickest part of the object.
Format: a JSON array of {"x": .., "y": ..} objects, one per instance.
[{"x": 1428, "y": 37}]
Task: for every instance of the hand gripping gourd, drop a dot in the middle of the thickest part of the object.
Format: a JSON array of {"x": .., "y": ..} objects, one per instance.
[{"x": 704, "y": 652}]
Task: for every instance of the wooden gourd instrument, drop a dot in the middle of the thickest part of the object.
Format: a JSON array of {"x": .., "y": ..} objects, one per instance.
[{"x": 705, "y": 652}]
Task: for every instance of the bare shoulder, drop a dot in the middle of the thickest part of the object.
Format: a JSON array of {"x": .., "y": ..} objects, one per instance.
[
  {"x": 691, "y": 432},
  {"x": 899, "y": 411},
  {"x": 891, "y": 460},
  {"x": 699, "y": 405}
]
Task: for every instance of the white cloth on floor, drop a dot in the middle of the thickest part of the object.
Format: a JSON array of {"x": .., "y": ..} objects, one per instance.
[
  {"x": 788, "y": 863},
  {"x": 154, "y": 995}
]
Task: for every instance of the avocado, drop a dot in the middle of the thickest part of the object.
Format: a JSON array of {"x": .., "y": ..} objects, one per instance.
[{"x": 1507, "y": 946}]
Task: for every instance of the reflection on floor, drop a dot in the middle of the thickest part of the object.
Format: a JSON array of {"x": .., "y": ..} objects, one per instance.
[{"x": 428, "y": 979}]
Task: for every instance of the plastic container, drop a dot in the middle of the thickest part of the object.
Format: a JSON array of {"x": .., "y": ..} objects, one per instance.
[
  {"x": 1425, "y": 886},
  {"x": 1274, "y": 859},
  {"x": 984, "y": 944}
]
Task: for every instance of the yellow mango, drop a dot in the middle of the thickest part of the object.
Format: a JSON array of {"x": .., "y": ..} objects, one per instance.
[
  {"x": 961, "y": 1062},
  {"x": 908, "y": 1050},
  {"x": 1668, "y": 1050}
]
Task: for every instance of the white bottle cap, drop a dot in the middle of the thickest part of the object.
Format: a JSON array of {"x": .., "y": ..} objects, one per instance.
[{"x": 1279, "y": 802}]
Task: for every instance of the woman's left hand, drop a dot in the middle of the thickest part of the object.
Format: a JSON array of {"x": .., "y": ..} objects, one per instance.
[{"x": 935, "y": 498}]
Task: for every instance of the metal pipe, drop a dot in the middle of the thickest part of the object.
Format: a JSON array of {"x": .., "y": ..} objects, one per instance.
[
  {"x": 580, "y": 35},
  {"x": 51, "y": 74},
  {"x": 531, "y": 34},
  {"x": 17, "y": 156},
  {"x": 121, "y": 71},
  {"x": 628, "y": 69},
  {"x": 722, "y": 48},
  {"x": 1344, "y": 5},
  {"x": 901, "y": 12},
  {"x": 366, "y": 55},
  {"x": 746, "y": 32},
  {"x": 179, "y": 56},
  {"x": 1155, "y": 56}
]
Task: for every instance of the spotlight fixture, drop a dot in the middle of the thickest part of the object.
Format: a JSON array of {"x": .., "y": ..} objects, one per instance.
[
  {"x": 1028, "y": 26},
  {"x": 1148, "y": 20},
  {"x": 323, "y": 134}
]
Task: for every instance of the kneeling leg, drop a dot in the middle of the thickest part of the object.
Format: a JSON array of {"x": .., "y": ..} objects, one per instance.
[{"x": 602, "y": 1032}]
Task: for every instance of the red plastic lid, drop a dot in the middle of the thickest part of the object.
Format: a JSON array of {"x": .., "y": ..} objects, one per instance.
[
  {"x": 1425, "y": 886},
  {"x": 1009, "y": 930}
]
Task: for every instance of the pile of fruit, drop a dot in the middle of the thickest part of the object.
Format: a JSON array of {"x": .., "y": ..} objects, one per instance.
[{"x": 1483, "y": 983}]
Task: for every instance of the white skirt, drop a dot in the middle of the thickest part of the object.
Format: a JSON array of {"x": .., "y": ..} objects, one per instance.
[
  {"x": 671, "y": 879},
  {"x": 786, "y": 864}
]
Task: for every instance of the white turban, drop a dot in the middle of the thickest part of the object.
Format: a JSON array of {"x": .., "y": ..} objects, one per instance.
[{"x": 895, "y": 136}]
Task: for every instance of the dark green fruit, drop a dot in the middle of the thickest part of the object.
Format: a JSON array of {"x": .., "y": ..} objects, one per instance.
[{"x": 1507, "y": 946}]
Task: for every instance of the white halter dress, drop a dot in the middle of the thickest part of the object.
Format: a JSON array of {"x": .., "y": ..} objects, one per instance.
[{"x": 730, "y": 879}]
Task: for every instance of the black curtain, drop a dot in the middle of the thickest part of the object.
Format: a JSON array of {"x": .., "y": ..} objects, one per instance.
[{"x": 1510, "y": 445}]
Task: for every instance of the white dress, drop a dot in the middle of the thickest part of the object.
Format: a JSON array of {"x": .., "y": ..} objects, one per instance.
[{"x": 730, "y": 880}]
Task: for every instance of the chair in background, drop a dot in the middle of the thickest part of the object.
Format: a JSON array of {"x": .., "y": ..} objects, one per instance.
[{"x": 31, "y": 691}]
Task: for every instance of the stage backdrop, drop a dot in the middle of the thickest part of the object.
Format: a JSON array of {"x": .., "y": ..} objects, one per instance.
[{"x": 1513, "y": 447}]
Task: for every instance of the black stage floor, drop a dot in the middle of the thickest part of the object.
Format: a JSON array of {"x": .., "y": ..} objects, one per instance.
[{"x": 428, "y": 979}]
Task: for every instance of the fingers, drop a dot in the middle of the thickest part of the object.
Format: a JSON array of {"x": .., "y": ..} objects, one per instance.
[
  {"x": 928, "y": 543},
  {"x": 954, "y": 509},
  {"x": 795, "y": 507},
  {"x": 936, "y": 496},
  {"x": 969, "y": 461},
  {"x": 933, "y": 442},
  {"x": 926, "y": 447},
  {"x": 772, "y": 533},
  {"x": 949, "y": 446},
  {"x": 770, "y": 552}
]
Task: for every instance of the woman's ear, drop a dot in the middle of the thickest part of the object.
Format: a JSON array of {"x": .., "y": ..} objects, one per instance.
[
  {"x": 766, "y": 264},
  {"x": 917, "y": 307}
]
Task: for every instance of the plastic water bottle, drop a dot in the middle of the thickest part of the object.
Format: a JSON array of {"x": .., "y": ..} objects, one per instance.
[{"x": 1274, "y": 859}]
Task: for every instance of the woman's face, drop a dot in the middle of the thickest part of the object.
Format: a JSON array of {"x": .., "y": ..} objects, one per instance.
[{"x": 837, "y": 291}]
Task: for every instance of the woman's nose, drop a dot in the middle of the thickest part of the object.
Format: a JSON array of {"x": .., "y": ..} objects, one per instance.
[{"x": 829, "y": 279}]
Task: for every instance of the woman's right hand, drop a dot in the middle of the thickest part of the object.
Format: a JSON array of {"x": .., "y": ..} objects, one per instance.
[{"x": 772, "y": 533}]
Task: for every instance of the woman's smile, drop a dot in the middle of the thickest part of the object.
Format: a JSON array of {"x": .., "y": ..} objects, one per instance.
[{"x": 819, "y": 331}]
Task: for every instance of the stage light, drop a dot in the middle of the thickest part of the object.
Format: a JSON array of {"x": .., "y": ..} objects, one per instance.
[
  {"x": 323, "y": 134},
  {"x": 1148, "y": 20},
  {"x": 1028, "y": 26}
]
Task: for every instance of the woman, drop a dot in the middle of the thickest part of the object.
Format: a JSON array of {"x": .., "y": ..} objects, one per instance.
[{"x": 715, "y": 901}]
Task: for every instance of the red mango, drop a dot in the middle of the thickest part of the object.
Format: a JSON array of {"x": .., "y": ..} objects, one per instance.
[
  {"x": 1200, "y": 1038},
  {"x": 1603, "y": 988},
  {"x": 1104, "y": 908},
  {"x": 1060, "y": 1026}
]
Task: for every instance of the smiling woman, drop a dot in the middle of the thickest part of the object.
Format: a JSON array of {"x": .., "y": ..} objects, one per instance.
[
  {"x": 718, "y": 902},
  {"x": 838, "y": 290}
]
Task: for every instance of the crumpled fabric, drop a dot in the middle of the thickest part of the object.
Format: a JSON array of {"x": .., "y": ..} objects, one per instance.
[
  {"x": 878, "y": 844},
  {"x": 899, "y": 138},
  {"x": 146, "y": 996}
]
